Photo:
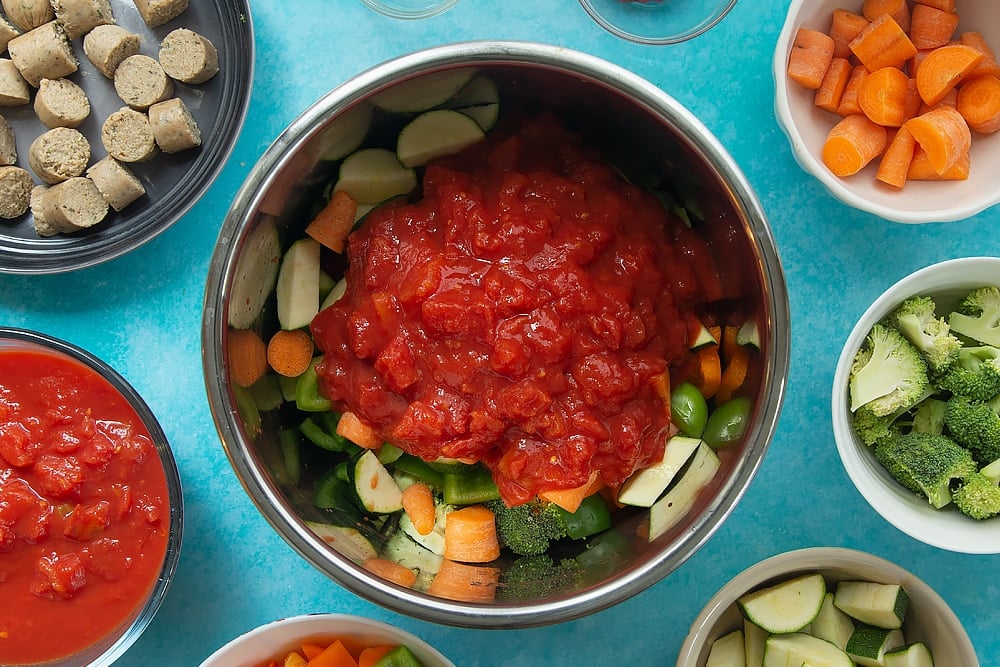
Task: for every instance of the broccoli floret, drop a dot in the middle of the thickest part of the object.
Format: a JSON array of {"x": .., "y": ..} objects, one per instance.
[
  {"x": 926, "y": 464},
  {"x": 888, "y": 373},
  {"x": 976, "y": 374},
  {"x": 872, "y": 428},
  {"x": 537, "y": 576},
  {"x": 528, "y": 529},
  {"x": 931, "y": 335},
  {"x": 929, "y": 416},
  {"x": 975, "y": 425},
  {"x": 978, "y": 497},
  {"x": 978, "y": 316}
]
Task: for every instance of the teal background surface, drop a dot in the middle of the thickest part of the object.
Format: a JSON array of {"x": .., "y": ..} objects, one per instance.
[{"x": 142, "y": 314}]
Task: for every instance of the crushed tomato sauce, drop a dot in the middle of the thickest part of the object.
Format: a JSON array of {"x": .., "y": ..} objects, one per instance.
[
  {"x": 517, "y": 314},
  {"x": 84, "y": 513}
]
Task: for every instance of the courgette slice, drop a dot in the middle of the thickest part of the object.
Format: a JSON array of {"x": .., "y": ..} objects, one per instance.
[
  {"x": 727, "y": 651},
  {"x": 256, "y": 273},
  {"x": 797, "y": 648},
  {"x": 339, "y": 290},
  {"x": 868, "y": 644},
  {"x": 373, "y": 175},
  {"x": 881, "y": 605},
  {"x": 785, "y": 607},
  {"x": 436, "y": 133},
  {"x": 644, "y": 487},
  {"x": 297, "y": 291},
  {"x": 913, "y": 655},
  {"x": 423, "y": 93},
  {"x": 346, "y": 540},
  {"x": 404, "y": 550},
  {"x": 480, "y": 100},
  {"x": 753, "y": 639},
  {"x": 432, "y": 541},
  {"x": 832, "y": 624},
  {"x": 678, "y": 501},
  {"x": 345, "y": 134},
  {"x": 374, "y": 485}
]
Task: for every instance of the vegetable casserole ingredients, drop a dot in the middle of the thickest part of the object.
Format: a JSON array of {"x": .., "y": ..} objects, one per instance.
[{"x": 517, "y": 315}]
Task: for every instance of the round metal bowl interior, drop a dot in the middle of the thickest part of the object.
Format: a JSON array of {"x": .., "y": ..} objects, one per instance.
[
  {"x": 106, "y": 650},
  {"x": 607, "y": 105}
]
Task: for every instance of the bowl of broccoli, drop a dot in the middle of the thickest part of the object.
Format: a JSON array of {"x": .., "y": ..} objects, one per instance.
[{"x": 916, "y": 405}]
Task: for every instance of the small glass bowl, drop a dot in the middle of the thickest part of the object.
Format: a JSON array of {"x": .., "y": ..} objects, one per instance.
[
  {"x": 657, "y": 21},
  {"x": 410, "y": 9}
]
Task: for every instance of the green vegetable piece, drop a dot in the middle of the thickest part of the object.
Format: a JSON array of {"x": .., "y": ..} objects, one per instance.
[
  {"x": 389, "y": 453},
  {"x": 925, "y": 464},
  {"x": 916, "y": 320},
  {"x": 417, "y": 467},
  {"x": 537, "y": 577},
  {"x": 323, "y": 438},
  {"x": 978, "y": 497},
  {"x": 975, "y": 425},
  {"x": 978, "y": 316},
  {"x": 474, "y": 486},
  {"x": 401, "y": 656},
  {"x": 332, "y": 492},
  {"x": 249, "y": 412},
  {"x": 727, "y": 424},
  {"x": 604, "y": 553},
  {"x": 592, "y": 517},
  {"x": 688, "y": 409},
  {"x": 307, "y": 396},
  {"x": 288, "y": 442},
  {"x": 888, "y": 372},
  {"x": 528, "y": 529}
]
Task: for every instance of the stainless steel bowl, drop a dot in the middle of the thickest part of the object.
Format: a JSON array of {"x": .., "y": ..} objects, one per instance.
[{"x": 600, "y": 100}]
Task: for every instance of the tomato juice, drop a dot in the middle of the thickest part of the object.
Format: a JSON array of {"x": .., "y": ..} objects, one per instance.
[
  {"x": 519, "y": 313},
  {"x": 85, "y": 516}
]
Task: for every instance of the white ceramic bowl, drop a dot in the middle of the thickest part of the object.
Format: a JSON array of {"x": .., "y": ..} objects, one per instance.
[
  {"x": 807, "y": 127},
  {"x": 279, "y": 637},
  {"x": 946, "y": 282},
  {"x": 928, "y": 619}
]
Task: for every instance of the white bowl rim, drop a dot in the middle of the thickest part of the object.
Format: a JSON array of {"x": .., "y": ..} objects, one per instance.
[
  {"x": 902, "y": 509},
  {"x": 834, "y": 185},
  {"x": 818, "y": 559},
  {"x": 322, "y": 622}
]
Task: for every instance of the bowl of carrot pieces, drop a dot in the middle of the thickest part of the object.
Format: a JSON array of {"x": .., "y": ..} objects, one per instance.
[
  {"x": 327, "y": 640},
  {"x": 894, "y": 105}
]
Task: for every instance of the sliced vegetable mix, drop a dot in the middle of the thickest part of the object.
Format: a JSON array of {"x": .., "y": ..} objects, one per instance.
[
  {"x": 340, "y": 653},
  {"x": 910, "y": 92},
  {"x": 441, "y": 525}
]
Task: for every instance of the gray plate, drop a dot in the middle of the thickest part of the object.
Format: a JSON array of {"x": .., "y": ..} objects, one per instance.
[{"x": 173, "y": 182}]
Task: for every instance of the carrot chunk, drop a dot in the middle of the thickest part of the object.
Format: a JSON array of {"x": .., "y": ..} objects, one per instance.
[
  {"x": 810, "y": 57},
  {"x": 247, "y": 356},
  {"x": 978, "y": 100},
  {"x": 899, "y": 10},
  {"x": 470, "y": 535},
  {"x": 849, "y": 100},
  {"x": 465, "y": 583},
  {"x": 853, "y": 143},
  {"x": 334, "y": 655},
  {"x": 988, "y": 65},
  {"x": 831, "y": 90},
  {"x": 943, "y": 69},
  {"x": 943, "y": 134},
  {"x": 391, "y": 570},
  {"x": 334, "y": 222},
  {"x": 571, "y": 499},
  {"x": 931, "y": 28},
  {"x": 895, "y": 162},
  {"x": 943, "y": 5},
  {"x": 922, "y": 170},
  {"x": 418, "y": 503},
  {"x": 289, "y": 353},
  {"x": 358, "y": 432},
  {"x": 370, "y": 656},
  {"x": 883, "y": 96},
  {"x": 882, "y": 44},
  {"x": 845, "y": 26}
]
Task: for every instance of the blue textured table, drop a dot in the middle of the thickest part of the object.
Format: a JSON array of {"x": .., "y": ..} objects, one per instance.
[{"x": 142, "y": 314}]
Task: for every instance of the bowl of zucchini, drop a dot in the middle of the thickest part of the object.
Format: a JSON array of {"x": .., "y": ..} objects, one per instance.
[
  {"x": 827, "y": 606},
  {"x": 495, "y": 334}
]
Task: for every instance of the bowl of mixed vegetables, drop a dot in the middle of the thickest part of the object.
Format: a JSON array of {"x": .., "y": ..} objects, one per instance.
[
  {"x": 894, "y": 106},
  {"x": 327, "y": 639},
  {"x": 827, "y": 606},
  {"x": 493, "y": 341},
  {"x": 916, "y": 413}
]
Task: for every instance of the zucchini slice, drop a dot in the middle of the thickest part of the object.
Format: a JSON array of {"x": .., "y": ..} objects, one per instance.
[
  {"x": 345, "y": 134},
  {"x": 297, "y": 291},
  {"x": 727, "y": 651},
  {"x": 914, "y": 655},
  {"x": 480, "y": 100},
  {"x": 881, "y": 605},
  {"x": 423, "y": 93},
  {"x": 348, "y": 541},
  {"x": 644, "y": 487},
  {"x": 678, "y": 501},
  {"x": 753, "y": 640},
  {"x": 785, "y": 607},
  {"x": 256, "y": 273},
  {"x": 373, "y": 175},
  {"x": 375, "y": 487},
  {"x": 797, "y": 648},
  {"x": 869, "y": 644},
  {"x": 832, "y": 624},
  {"x": 436, "y": 133}
]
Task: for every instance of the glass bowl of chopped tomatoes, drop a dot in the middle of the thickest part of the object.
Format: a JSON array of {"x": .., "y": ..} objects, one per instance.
[
  {"x": 90, "y": 506},
  {"x": 657, "y": 21},
  {"x": 501, "y": 336},
  {"x": 298, "y": 639},
  {"x": 928, "y": 138}
]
